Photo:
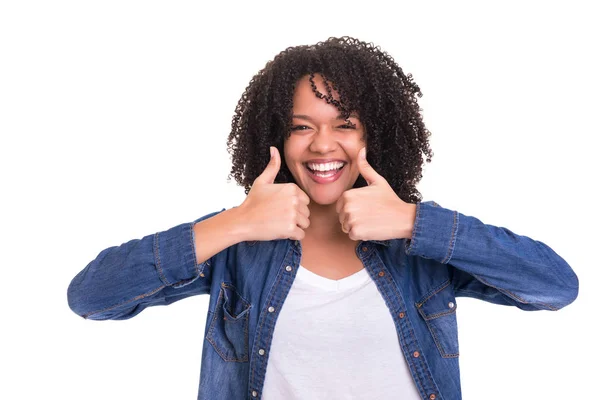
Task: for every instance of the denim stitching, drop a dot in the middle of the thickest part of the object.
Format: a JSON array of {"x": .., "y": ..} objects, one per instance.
[
  {"x": 433, "y": 292},
  {"x": 415, "y": 230},
  {"x": 428, "y": 318},
  {"x": 262, "y": 320},
  {"x": 423, "y": 366},
  {"x": 438, "y": 343},
  {"x": 443, "y": 353},
  {"x": 269, "y": 331},
  {"x": 471, "y": 293},
  {"x": 219, "y": 304},
  {"x": 440, "y": 314},
  {"x": 125, "y": 302},
  {"x": 191, "y": 228},
  {"x": 452, "y": 243},
  {"x": 512, "y": 295},
  {"x": 245, "y": 359},
  {"x": 420, "y": 382},
  {"x": 231, "y": 286},
  {"x": 157, "y": 258},
  {"x": 212, "y": 323},
  {"x": 374, "y": 253},
  {"x": 411, "y": 361}
]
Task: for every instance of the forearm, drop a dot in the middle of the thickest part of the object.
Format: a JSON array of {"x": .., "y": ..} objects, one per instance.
[{"x": 217, "y": 233}]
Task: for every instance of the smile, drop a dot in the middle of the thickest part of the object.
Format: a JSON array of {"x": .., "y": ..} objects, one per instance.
[{"x": 326, "y": 176}]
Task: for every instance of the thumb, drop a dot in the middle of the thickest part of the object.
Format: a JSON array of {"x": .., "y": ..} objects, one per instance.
[
  {"x": 271, "y": 170},
  {"x": 365, "y": 169}
]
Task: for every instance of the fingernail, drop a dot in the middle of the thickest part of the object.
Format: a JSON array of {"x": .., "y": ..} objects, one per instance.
[{"x": 271, "y": 151}]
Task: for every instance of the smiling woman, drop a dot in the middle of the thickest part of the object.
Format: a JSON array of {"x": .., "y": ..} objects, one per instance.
[{"x": 332, "y": 279}]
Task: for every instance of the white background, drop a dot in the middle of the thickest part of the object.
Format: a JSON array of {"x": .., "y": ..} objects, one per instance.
[{"x": 114, "y": 117}]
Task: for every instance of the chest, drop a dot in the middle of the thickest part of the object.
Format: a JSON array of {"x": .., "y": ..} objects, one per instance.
[{"x": 333, "y": 261}]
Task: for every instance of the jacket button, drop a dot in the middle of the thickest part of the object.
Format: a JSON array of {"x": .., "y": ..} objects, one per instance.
[
  {"x": 271, "y": 309},
  {"x": 416, "y": 354},
  {"x": 451, "y": 305},
  {"x": 261, "y": 352},
  {"x": 381, "y": 273},
  {"x": 254, "y": 393},
  {"x": 288, "y": 268},
  {"x": 365, "y": 248},
  {"x": 401, "y": 315},
  {"x": 432, "y": 397}
]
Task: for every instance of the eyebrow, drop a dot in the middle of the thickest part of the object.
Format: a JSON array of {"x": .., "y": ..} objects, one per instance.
[{"x": 307, "y": 118}]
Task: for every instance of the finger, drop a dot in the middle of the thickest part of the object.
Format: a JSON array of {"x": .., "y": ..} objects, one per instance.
[
  {"x": 344, "y": 229},
  {"x": 302, "y": 221},
  {"x": 365, "y": 169},
  {"x": 298, "y": 234},
  {"x": 271, "y": 170},
  {"x": 303, "y": 197},
  {"x": 304, "y": 210},
  {"x": 339, "y": 204},
  {"x": 342, "y": 218}
]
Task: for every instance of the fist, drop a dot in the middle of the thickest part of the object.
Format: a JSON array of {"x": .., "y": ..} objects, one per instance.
[
  {"x": 275, "y": 210},
  {"x": 374, "y": 212}
]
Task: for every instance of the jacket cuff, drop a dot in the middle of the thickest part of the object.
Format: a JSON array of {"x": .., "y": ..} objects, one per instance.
[
  {"x": 434, "y": 232},
  {"x": 174, "y": 255}
]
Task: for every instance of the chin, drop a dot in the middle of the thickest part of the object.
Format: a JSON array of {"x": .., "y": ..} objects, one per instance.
[
  {"x": 325, "y": 197},
  {"x": 324, "y": 200}
]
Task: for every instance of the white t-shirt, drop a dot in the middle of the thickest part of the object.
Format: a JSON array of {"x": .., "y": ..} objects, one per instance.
[{"x": 336, "y": 340}]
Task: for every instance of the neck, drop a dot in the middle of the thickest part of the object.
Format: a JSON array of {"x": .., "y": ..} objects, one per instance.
[{"x": 325, "y": 224}]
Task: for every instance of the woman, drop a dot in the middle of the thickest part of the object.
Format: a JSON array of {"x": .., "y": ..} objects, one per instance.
[{"x": 332, "y": 279}]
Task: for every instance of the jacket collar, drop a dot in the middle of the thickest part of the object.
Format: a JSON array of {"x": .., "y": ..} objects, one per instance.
[{"x": 383, "y": 242}]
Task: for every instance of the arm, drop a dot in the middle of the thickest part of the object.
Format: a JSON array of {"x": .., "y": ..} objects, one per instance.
[
  {"x": 492, "y": 263},
  {"x": 158, "y": 269}
]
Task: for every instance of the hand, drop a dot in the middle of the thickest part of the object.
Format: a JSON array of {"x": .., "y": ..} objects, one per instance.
[
  {"x": 374, "y": 212},
  {"x": 275, "y": 210}
]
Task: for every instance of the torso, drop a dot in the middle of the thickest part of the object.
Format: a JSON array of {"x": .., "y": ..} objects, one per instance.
[{"x": 334, "y": 260}]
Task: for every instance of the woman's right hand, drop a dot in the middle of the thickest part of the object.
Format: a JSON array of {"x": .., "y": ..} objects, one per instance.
[{"x": 275, "y": 210}]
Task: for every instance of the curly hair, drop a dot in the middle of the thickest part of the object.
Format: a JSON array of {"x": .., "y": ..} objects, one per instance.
[{"x": 367, "y": 80}]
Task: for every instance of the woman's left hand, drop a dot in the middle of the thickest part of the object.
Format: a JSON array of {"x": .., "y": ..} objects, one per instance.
[{"x": 374, "y": 212}]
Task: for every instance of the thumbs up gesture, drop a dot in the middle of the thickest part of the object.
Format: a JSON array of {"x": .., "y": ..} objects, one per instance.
[
  {"x": 274, "y": 210},
  {"x": 374, "y": 212}
]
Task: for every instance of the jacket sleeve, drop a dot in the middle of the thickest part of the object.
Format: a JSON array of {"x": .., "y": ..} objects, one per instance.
[
  {"x": 492, "y": 263},
  {"x": 157, "y": 269}
]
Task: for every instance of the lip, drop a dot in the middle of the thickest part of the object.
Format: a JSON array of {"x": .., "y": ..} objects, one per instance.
[
  {"x": 330, "y": 179},
  {"x": 324, "y": 160}
]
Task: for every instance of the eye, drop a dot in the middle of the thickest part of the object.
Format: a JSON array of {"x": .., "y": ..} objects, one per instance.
[
  {"x": 347, "y": 126},
  {"x": 300, "y": 127}
]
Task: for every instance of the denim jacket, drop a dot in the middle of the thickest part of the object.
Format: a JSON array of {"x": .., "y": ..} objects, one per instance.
[{"x": 449, "y": 255}]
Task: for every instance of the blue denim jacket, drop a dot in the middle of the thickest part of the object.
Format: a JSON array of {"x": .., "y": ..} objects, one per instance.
[{"x": 449, "y": 255}]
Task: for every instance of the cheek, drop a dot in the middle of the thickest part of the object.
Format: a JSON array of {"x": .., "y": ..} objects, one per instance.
[
  {"x": 292, "y": 149},
  {"x": 287, "y": 159}
]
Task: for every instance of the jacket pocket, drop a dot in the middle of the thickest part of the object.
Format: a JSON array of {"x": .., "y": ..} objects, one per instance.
[
  {"x": 228, "y": 331},
  {"x": 438, "y": 309}
]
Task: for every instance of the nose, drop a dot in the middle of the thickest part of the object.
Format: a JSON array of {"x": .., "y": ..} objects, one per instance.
[{"x": 323, "y": 141}]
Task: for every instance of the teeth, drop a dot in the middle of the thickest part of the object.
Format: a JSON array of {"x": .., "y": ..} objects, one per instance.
[
  {"x": 326, "y": 166},
  {"x": 324, "y": 174}
]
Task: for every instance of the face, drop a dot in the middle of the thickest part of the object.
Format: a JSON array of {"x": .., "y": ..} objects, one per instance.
[{"x": 322, "y": 150}]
